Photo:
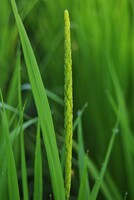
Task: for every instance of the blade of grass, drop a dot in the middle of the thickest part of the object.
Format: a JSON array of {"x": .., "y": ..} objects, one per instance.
[
  {"x": 13, "y": 109},
  {"x": 99, "y": 180},
  {"x": 3, "y": 182},
  {"x": 8, "y": 107},
  {"x": 13, "y": 136},
  {"x": 80, "y": 113},
  {"x": 38, "y": 168},
  {"x": 11, "y": 169},
  {"x": 43, "y": 109},
  {"x": 108, "y": 187},
  {"x": 3, "y": 159},
  {"x": 84, "y": 191},
  {"x": 50, "y": 94},
  {"x": 126, "y": 132},
  {"x": 15, "y": 132},
  {"x": 124, "y": 123},
  {"x": 22, "y": 147}
]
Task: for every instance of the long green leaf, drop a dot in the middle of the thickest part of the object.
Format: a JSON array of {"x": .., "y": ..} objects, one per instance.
[
  {"x": 127, "y": 135},
  {"x": 23, "y": 159},
  {"x": 3, "y": 159},
  {"x": 50, "y": 94},
  {"x": 108, "y": 184},
  {"x": 98, "y": 182},
  {"x": 38, "y": 168},
  {"x": 84, "y": 191},
  {"x": 43, "y": 109},
  {"x": 11, "y": 168},
  {"x": 3, "y": 162}
]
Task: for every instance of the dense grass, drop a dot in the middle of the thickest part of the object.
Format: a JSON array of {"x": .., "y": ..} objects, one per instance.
[{"x": 32, "y": 149}]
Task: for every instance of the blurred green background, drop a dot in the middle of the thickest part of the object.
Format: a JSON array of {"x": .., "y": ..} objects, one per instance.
[{"x": 103, "y": 68}]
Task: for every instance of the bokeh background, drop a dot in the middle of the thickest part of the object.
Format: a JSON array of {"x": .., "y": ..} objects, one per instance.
[{"x": 102, "y": 35}]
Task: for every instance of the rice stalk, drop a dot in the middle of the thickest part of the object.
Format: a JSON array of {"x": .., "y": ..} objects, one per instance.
[{"x": 68, "y": 106}]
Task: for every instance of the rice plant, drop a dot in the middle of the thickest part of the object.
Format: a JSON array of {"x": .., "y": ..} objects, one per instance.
[{"x": 66, "y": 100}]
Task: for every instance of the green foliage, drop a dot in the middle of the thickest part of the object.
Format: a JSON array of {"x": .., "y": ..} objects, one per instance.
[
  {"x": 102, "y": 43},
  {"x": 11, "y": 169},
  {"x": 43, "y": 110}
]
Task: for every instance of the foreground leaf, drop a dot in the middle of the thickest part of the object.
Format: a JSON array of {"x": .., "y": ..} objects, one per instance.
[{"x": 43, "y": 110}]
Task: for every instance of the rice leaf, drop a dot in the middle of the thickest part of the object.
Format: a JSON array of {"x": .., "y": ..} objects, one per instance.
[
  {"x": 50, "y": 94},
  {"x": 15, "y": 132},
  {"x": 84, "y": 191},
  {"x": 99, "y": 180},
  {"x": 79, "y": 114},
  {"x": 38, "y": 168},
  {"x": 22, "y": 147},
  {"x": 43, "y": 109},
  {"x": 3, "y": 159},
  {"x": 8, "y": 107},
  {"x": 108, "y": 186},
  {"x": 11, "y": 168},
  {"x": 127, "y": 135}
]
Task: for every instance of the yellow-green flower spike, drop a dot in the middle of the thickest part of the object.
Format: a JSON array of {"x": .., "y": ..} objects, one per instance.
[{"x": 68, "y": 106}]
